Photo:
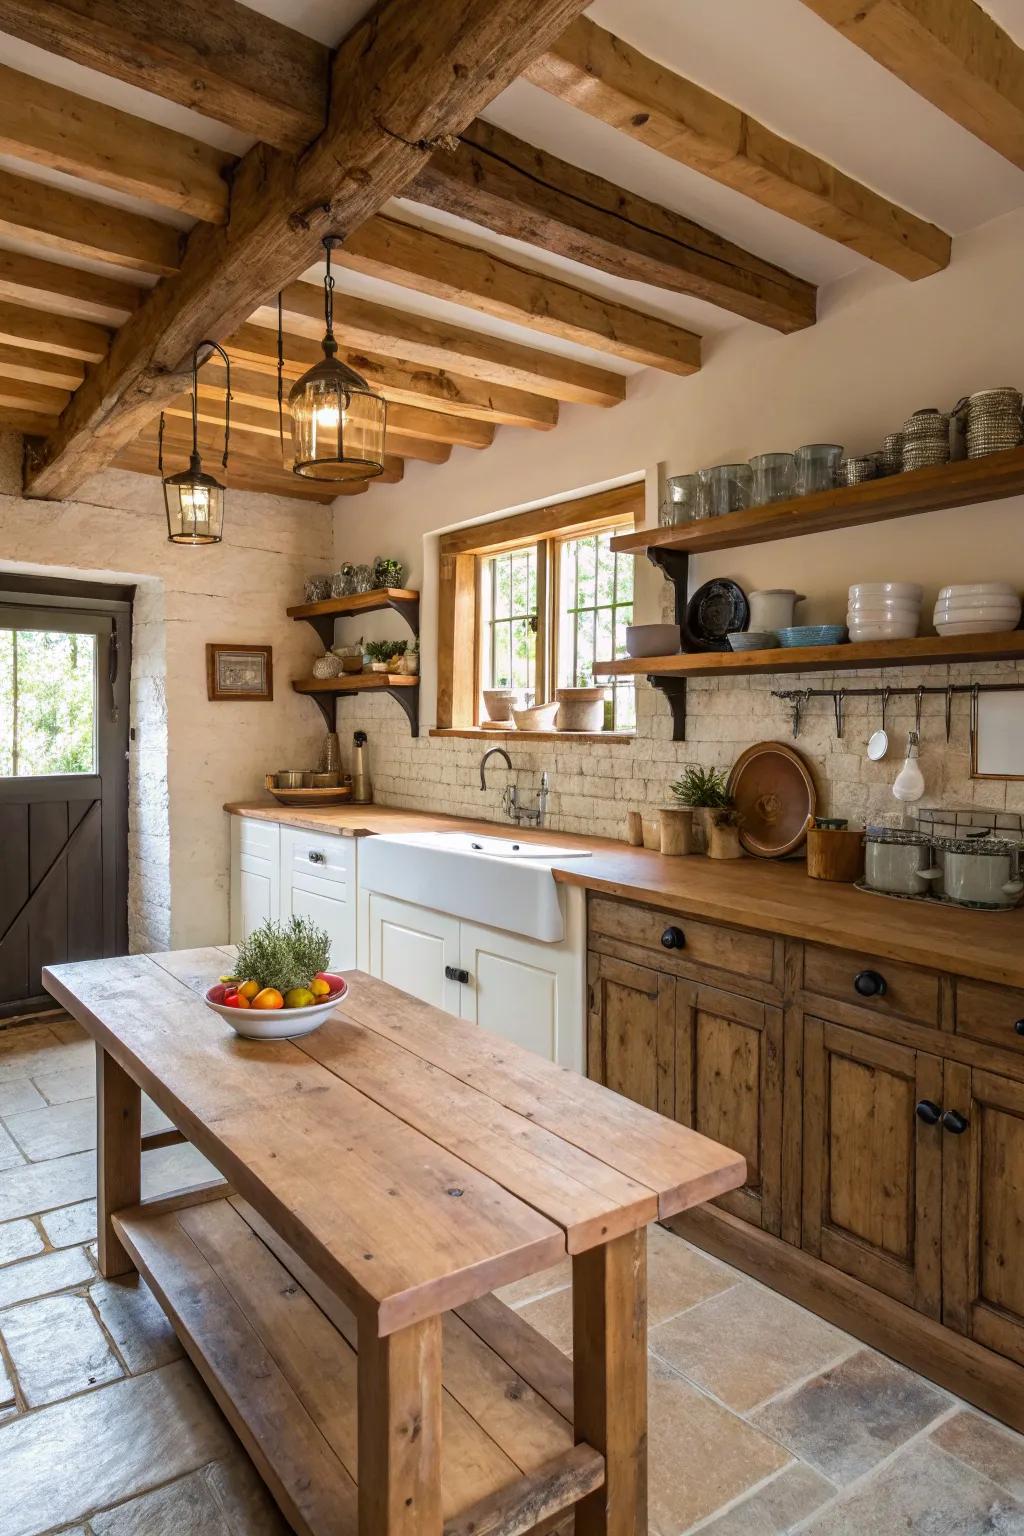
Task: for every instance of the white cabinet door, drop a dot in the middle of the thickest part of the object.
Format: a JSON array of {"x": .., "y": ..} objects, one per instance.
[
  {"x": 255, "y": 875},
  {"x": 411, "y": 948},
  {"x": 525, "y": 991},
  {"x": 318, "y": 881}
]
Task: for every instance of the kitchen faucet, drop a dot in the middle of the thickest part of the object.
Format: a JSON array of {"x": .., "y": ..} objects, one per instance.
[{"x": 522, "y": 815}]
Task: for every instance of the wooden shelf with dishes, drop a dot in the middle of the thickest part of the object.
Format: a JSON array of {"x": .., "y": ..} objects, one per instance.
[
  {"x": 322, "y": 615},
  {"x": 325, "y": 691}
]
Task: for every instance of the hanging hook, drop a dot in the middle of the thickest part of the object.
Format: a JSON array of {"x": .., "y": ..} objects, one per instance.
[
  {"x": 974, "y": 724},
  {"x": 949, "y": 710},
  {"x": 917, "y": 710},
  {"x": 838, "y": 703},
  {"x": 885, "y": 704},
  {"x": 799, "y": 700}
]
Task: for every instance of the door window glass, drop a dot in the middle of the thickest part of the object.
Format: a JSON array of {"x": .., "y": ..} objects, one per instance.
[{"x": 47, "y": 703}]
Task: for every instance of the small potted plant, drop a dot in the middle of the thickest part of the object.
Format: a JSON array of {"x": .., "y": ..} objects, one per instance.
[
  {"x": 411, "y": 659},
  {"x": 724, "y": 834},
  {"x": 384, "y": 655},
  {"x": 702, "y": 791}
]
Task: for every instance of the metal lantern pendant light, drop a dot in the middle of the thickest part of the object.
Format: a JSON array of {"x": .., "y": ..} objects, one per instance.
[
  {"x": 338, "y": 423},
  {"x": 194, "y": 499}
]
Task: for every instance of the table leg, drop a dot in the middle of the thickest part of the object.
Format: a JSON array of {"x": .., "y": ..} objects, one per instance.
[
  {"x": 609, "y": 1330},
  {"x": 118, "y": 1157},
  {"x": 399, "y": 1405}
]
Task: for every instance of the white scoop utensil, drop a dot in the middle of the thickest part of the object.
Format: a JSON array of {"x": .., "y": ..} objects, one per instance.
[{"x": 878, "y": 742}]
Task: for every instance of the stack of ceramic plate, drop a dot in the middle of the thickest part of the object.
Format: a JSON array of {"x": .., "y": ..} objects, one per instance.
[
  {"x": 977, "y": 608},
  {"x": 925, "y": 439},
  {"x": 994, "y": 421},
  {"x": 884, "y": 610}
]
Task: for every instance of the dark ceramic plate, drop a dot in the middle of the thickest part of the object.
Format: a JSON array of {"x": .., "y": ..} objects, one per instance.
[{"x": 716, "y": 609}]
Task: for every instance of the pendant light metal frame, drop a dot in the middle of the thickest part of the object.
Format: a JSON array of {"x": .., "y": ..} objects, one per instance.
[
  {"x": 195, "y": 479},
  {"x": 333, "y": 389}
]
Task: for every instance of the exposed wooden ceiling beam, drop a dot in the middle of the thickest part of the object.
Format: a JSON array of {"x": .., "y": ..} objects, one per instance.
[
  {"x": 598, "y": 73},
  {"x": 141, "y": 457},
  {"x": 32, "y": 397},
  {"x": 40, "y": 367},
  {"x": 400, "y": 381},
  {"x": 49, "y": 126},
  {"x": 949, "y": 51},
  {"x": 34, "y": 328},
  {"x": 263, "y": 423},
  {"x": 427, "y": 262},
  {"x": 365, "y": 326},
  {"x": 28, "y": 422},
  {"x": 246, "y": 447},
  {"x": 497, "y": 180},
  {"x": 403, "y": 79},
  {"x": 62, "y": 221},
  {"x": 225, "y": 60},
  {"x": 66, "y": 290}
]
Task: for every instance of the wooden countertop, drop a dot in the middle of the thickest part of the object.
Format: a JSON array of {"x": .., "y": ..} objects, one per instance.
[{"x": 769, "y": 895}]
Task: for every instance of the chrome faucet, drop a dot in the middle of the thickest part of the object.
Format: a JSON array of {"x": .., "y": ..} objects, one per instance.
[{"x": 515, "y": 810}]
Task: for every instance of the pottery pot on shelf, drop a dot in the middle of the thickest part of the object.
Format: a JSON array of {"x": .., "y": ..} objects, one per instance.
[
  {"x": 580, "y": 709},
  {"x": 499, "y": 703},
  {"x": 676, "y": 830},
  {"x": 724, "y": 839}
]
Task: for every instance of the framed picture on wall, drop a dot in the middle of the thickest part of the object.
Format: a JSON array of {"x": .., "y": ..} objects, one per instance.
[{"x": 239, "y": 672}]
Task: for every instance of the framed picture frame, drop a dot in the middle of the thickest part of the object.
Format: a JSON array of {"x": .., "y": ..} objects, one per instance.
[{"x": 240, "y": 673}]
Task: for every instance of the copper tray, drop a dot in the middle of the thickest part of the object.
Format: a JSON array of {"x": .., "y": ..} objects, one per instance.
[{"x": 773, "y": 791}]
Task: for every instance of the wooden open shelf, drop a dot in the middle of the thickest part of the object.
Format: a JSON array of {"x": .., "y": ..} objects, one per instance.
[
  {"x": 355, "y": 682},
  {"x": 278, "y": 1351},
  {"x": 358, "y": 602},
  {"x": 823, "y": 658},
  {"x": 963, "y": 483}
]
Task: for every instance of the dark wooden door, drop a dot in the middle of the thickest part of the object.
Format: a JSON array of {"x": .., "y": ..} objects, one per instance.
[{"x": 64, "y": 673}]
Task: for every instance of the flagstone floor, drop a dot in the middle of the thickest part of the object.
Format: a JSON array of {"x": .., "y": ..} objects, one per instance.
[{"x": 764, "y": 1420}]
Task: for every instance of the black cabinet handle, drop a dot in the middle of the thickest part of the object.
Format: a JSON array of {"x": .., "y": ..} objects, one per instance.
[
  {"x": 928, "y": 1111},
  {"x": 316, "y": 857},
  {"x": 954, "y": 1122},
  {"x": 673, "y": 938},
  {"x": 870, "y": 984},
  {"x": 1019, "y": 1027},
  {"x": 454, "y": 973}
]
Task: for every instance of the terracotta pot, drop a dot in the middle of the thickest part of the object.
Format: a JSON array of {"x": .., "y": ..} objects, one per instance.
[{"x": 724, "y": 843}]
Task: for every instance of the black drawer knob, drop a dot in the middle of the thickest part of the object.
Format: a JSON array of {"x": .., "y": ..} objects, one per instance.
[
  {"x": 673, "y": 938},
  {"x": 928, "y": 1111},
  {"x": 869, "y": 984},
  {"x": 456, "y": 973},
  {"x": 954, "y": 1122},
  {"x": 1019, "y": 1027}
]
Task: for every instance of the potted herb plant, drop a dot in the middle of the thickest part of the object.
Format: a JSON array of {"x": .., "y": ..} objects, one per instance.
[
  {"x": 702, "y": 791},
  {"x": 384, "y": 655}
]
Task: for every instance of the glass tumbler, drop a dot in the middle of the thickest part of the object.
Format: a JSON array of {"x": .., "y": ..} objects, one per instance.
[
  {"x": 363, "y": 578},
  {"x": 817, "y": 465},
  {"x": 680, "y": 504},
  {"x": 774, "y": 477},
  {"x": 724, "y": 488}
]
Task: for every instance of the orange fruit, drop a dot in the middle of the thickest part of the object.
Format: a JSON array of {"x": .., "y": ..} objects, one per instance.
[
  {"x": 249, "y": 989},
  {"x": 319, "y": 987},
  {"x": 270, "y": 997}
]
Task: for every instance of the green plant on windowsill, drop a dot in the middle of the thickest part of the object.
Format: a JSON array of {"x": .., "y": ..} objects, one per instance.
[{"x": 700, "y": 786}]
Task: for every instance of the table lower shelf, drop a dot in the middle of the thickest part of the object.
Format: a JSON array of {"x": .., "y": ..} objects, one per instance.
[{"x": 278, "y": 1352}]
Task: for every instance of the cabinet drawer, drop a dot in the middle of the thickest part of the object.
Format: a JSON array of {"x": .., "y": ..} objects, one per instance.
[
  {"x": 323, "y": 857},
  {"x": 990, "y": 1013},
  {"x": 901, "y": 989},
  {"x": 703, "y": 943},
  {"x": 259, "y": 838}
]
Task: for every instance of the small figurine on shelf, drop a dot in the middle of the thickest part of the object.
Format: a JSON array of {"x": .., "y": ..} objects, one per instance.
[{"x": 387, "y": 573}]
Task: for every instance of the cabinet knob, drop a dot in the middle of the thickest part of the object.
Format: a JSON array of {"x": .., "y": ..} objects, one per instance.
[
  {"x": 455, "y": 973},
  {"x": 870, "y": 984},
  {"x": 954, "y": 1122},
  {"x": 673, "y": 938},
  {"x": 316, "y": 857},
  {"x": 928, "y": 1111},
  {"x": 1019, "y": 1027}
]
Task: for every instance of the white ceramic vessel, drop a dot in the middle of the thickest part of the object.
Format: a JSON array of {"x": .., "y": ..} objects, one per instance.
[
  {"x": 274, "y": 1023},
  {"x": 975, "y": 626},
  {"x": 882, "y": 629},
  {"x": 908, "y": 590},
  {"x": 772, "y": 609}
]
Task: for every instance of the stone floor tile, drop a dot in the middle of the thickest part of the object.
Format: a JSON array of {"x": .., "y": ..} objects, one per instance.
[
  {"x": 172, "y": 1168},
  {"x": 532, "y": 1287},
  {"x": 107, "y": 1446},
  {"x": 775, "y": 1507},
  {"x": 746, "y": 1344},
  {"x": 39, "y": 1050},
  {"x": 680, "y": 1275},
  {"x": 6, "y": 1385},
  {"x": 63, "y": 1087},
  {"x": 57, "y": 1348},
  {"x": 922, "y": 1492},
  {"x": 11, "y": 1155},
  {"x": 49, "y": 1272},
  {"x": 701, "y": 1455},
  {"x": 70, "y": 1224},
  {"x": 846, "y": 1420},
  {"x": 552, "y": 1316},
  {"x": 183, "y": 1508},
  {"x": 38, "y": 1187},
  {"x": 136, "y": 1322},
  {"x": 986, "y": 1446},
  {"x": 19, "y": 1093},
  {"x": 18, "y": 1240},
  {"x": 243, "y": 1497},
  {"x": 60, "y": 1129}
]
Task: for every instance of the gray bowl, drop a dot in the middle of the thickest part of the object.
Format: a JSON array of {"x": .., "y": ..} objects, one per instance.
[
  {"x": 753, "y": 640},
  {"x": 652, "y": 640}
]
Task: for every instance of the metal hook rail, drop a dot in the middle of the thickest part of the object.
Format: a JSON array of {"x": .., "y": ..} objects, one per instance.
[{"x": 798, "y": 698}]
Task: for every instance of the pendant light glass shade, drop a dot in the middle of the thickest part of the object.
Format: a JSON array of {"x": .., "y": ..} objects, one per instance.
[
  {"x": 195, "y": 500},
  {"x": 338, "y": 423}
]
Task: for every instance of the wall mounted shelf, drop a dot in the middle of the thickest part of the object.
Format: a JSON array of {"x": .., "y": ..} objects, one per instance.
[
  {"x": 326, "y": 691},
  {"x": 322, "y": 615}
]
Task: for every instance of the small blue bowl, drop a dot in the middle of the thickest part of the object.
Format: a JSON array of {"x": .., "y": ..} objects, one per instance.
[{"x": 813, "y": 634}]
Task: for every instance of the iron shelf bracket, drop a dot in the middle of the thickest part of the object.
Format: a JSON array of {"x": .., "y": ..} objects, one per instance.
[
  {"x": 674, "y": 689},
  {"x": 674, "y": 565},
  {"x": 409, "y": 698}
]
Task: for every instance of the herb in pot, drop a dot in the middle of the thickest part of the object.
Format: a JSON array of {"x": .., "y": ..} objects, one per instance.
[{"x": 701, "y": 786}]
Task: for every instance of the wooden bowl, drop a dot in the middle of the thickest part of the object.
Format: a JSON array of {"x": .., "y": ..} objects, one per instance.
[{"x": 309, "y": 797}]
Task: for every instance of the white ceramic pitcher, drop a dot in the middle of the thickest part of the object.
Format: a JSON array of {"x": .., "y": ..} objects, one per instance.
[{"x": 772, "y": 609}]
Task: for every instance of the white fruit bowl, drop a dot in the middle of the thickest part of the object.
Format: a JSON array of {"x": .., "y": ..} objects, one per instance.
[{"x": 275, "y": 1023}]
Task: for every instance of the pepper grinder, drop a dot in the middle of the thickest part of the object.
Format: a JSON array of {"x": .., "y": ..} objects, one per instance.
[{"x": 362, "y": 789}]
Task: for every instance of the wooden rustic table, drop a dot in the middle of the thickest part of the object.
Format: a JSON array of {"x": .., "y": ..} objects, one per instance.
[{"x": 384, "y": 1175}]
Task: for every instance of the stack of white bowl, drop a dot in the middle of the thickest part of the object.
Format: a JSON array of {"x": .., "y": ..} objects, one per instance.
[
  {"x": 977, "y": 608},
  {"x": 884, "y": 610}
]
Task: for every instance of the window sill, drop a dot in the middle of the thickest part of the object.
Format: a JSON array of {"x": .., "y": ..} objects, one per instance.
[{"x": 499, "y": 736}]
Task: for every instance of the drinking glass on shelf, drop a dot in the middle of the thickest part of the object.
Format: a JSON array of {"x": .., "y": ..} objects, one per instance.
[
  {"x": 363, "y": 578},
  {"x": 724, "y": 488},
  {"x": 817, "y": 465},
  {"x": 680, "y": 501},
  {"x": 774, "y": 477}
]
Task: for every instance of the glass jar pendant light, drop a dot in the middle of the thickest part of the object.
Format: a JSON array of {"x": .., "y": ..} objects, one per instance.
[
  {"x": 194, "y": 499},
  {"x": 338, "y": 423}
]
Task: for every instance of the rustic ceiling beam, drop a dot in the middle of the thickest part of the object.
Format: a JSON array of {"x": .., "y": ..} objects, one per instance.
[
  {"x": 508, "y": 186},
  {"x": 598, "y": 73},
  {"x": 364, "y": 326},
  {"x": 263, "y": 423},
  {"x": 428, "y": 262},
  {"x": 66, "y": 290},
  {"x": 949, "y": 51},
  {"x": 53, "y": 127},
  {"x": 34, "y": 328},
  {"x": 400, "y": 381},
  {"x": 28, "y": 422},
  {"x": 32, "y": 397},
  {"x": 34, "y": 367},
  {"x": 245, "y": 448},
  {"x": 141, "y": 458},
  {"x": 223, "y": 59},
  {"x": 404, "y": 79},
  {"x": 62, "y": 221}
]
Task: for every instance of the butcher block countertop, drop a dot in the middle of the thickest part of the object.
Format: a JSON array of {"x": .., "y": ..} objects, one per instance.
[{"x": 768, "y": 895}]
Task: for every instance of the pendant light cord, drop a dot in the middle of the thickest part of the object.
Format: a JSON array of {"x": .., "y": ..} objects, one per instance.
[
  {"x": 196, "y": 365},
  {"x": 280, "y": 372}
]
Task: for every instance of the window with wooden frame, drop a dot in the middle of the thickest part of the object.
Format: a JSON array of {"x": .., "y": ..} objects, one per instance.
[{"x": 532, "y": 601}]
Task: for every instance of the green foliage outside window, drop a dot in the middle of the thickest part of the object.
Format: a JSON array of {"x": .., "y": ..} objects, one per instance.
[{"x": 47, "y": 703}]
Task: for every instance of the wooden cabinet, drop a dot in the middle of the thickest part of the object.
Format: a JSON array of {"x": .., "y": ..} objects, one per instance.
[
  {"x": 414, "y": 949},
  {"x": 255, "y": 875},
  {"x": 631, "y": 1038},
  {"x": 318, "y": 882}
]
